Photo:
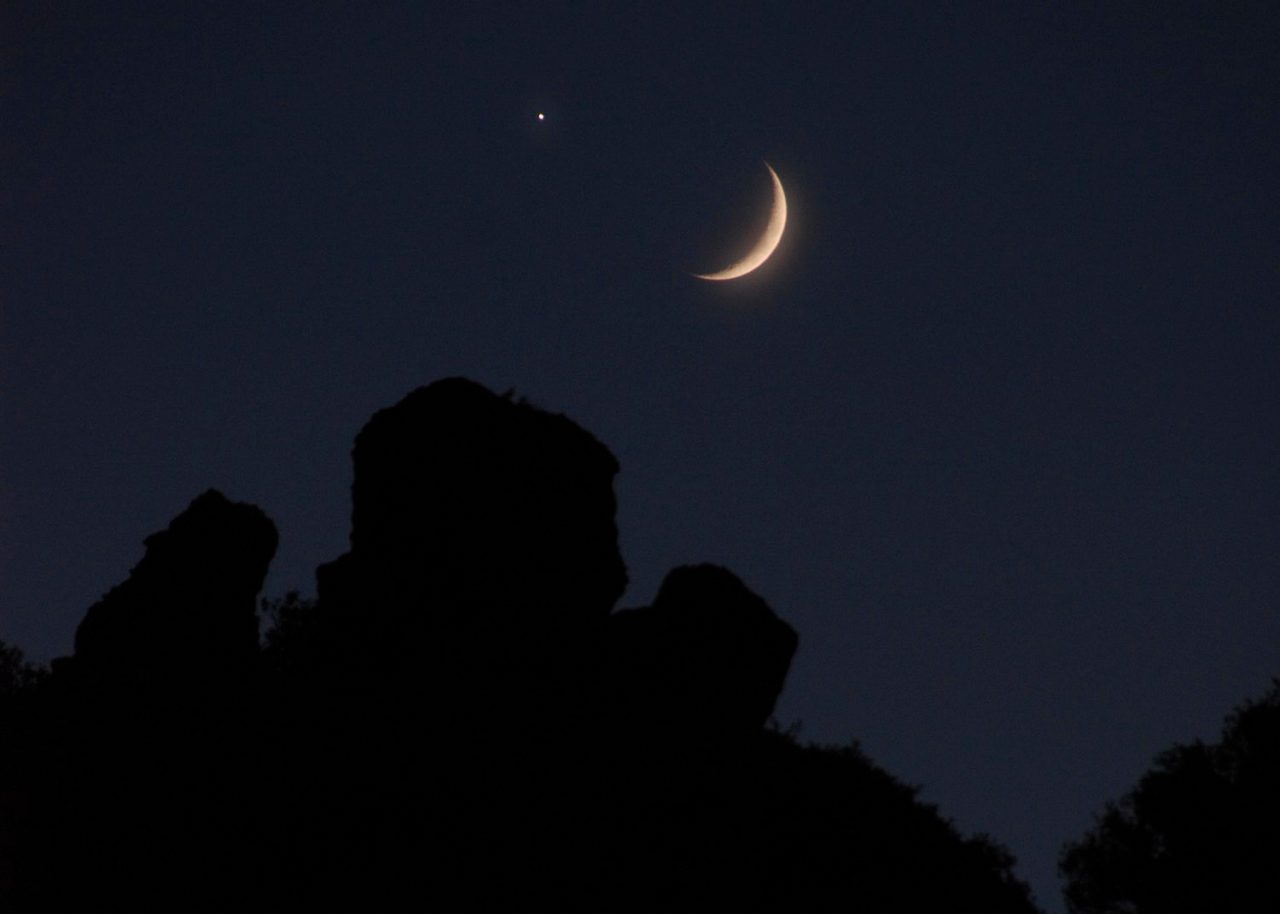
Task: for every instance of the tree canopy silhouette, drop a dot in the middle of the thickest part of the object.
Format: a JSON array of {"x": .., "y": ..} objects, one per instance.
[
  {"x": 1200, "y": 831},
  {"x": 460, "y": 717}
]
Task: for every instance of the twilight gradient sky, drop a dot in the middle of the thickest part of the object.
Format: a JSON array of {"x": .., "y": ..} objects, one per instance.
[{"x": 995, "y": 429}]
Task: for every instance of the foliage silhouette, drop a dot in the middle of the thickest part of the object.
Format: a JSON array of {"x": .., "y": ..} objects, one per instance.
[
  {"x": 459, "y": 717},
  {"x": 17, "y": 676},
  {"x": 1200, "y": 831}
]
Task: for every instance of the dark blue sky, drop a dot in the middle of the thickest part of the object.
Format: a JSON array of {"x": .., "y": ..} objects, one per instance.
[{"x": 995, "y": 429}]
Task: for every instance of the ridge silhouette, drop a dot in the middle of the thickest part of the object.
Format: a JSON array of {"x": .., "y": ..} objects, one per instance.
[{"x": 459, "y": 719}]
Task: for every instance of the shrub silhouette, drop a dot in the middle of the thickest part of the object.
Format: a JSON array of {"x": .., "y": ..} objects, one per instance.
[
  {"x": 17, "y": 676},
  {"x": 459, "y": 718},
  {"x": 1200, "y": 831}
]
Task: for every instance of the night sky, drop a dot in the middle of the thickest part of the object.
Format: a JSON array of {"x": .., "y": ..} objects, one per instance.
[{"x": 995, "y": 429}]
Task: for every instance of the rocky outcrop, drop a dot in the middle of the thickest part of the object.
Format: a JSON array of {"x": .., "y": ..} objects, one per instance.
[
  {"x": 458, "y": 716},
  {"x": 186, "y": 615},
  {"x": 483, "y": 504},
  {"x": 708, "y": 656},
  {"x": 483, "y": 549}
]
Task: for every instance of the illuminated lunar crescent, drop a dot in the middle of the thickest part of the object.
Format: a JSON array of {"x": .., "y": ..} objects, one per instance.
[{"x": 768, "y": 241}]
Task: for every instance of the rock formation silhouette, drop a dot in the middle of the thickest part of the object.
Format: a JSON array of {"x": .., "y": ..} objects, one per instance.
[
  {"x": 137, "y": 753},
  {"x": 459, "y": 719},
  {"x": 707, "y": 658},
  {"x": 479, "y": 505},
  {"x": 186, "y": 617}
]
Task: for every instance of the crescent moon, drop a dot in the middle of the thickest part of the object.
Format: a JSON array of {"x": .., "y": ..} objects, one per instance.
[{"x": 768, "y": 241}]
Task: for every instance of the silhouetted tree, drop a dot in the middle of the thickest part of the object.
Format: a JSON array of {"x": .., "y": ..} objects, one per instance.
[
  {"x": 288, "y": 626},
  {"x": 842, "y": 828},
  {"x": 1200, "y": 832},
  {"x": 18, "y": 682}
]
